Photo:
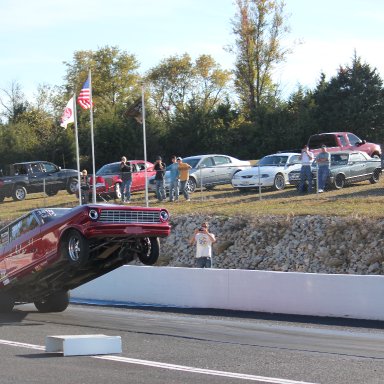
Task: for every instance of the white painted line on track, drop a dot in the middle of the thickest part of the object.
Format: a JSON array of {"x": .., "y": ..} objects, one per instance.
[{"x": 156, "y": 364}]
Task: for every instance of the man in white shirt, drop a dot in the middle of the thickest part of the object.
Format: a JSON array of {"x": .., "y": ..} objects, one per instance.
[
  {"x": 306, "y": 158},
  {"x": 204, "y": 240}
]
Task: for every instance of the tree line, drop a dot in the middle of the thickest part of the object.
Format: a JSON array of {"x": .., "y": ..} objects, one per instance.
[{"x": 193, "y": 106}]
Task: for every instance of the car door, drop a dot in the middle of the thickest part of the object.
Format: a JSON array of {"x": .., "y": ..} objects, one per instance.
[
  {"x": 50, "y": 177},
  {"x": 224, "y": 169},
  {"x": 23, "y": 250},
  {"x": 205, "y": 173},
  {"x": 137, "y": 178},
  {"x": 357, "y": 166}
]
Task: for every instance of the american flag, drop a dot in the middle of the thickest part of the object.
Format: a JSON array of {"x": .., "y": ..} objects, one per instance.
[{"x": 84, "y": 98}]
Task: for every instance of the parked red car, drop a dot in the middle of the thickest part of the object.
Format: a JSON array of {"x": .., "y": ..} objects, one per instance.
[
  {"x": 49, "y": 251},
  {"x": 108, "y": 179}
]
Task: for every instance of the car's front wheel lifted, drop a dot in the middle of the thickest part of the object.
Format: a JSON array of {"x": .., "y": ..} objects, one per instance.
[
  {"x": 75, "y": 248},
  {"x": 150, "y": 250},
  {"x": 56, "y": 302}
]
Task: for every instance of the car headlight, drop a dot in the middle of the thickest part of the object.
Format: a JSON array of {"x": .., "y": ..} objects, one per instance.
[
  {"x": 93, "y": 214},
  {"x": 164, "y": 216}
]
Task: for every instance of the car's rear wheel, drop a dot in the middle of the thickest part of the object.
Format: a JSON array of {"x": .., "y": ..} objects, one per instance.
[
  {"x": 375, "y": 176},
  {"x": 118, "y": 191},
  {"x": 279, "y": 182},
  {"x": 75, "y": 248},
  {"x": 56, "y": 302},
  {"x": 52, "y": 192},
  {"x": 339, "y": 181},
  {"x": 19, "y": 193},
  {"x": 191, "y": 185},
  {"x": 7, "y": 302},
  {"x": 72, "y": 186},
  {"x": 150, "y": 250}
]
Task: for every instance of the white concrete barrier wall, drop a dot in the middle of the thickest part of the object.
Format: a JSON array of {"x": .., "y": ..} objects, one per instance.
[{"x": 352, "y": 296}]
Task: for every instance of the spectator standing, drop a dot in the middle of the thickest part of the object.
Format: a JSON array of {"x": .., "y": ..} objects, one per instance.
[
  {"x": 203, "y": 240},
  {"x": 174, "y": 180},
  {"x": 306, "y": 158},
  {"x": 159, "y": 178},
  {"x": 184, "y": 177},
  {"x": 84, "y": 187},
  {"x": 323, "y": 160},
  {"x": 126, "y": 178}
]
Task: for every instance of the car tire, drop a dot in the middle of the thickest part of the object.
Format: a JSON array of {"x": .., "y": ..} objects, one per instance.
[
  {"x": 56, "y": 302},
  {"x": 191, "y": 185},
  {"x": 339, "y": 182},
  {"x": 375, "y": 176},
  {"x": 75, "y": 248},
  {"x": 279, "y": 182},
  {"x": 52, "y": 192},
  {"x": 72, "y": 186},
  {"x": 118, "y": 191},
  {"x": 7, "y": 302},
  {"x": 150, "y": 250},
  {"x": 19, "y": 193}
]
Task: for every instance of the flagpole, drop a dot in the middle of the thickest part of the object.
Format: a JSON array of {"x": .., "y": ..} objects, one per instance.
[
  {"x": 92, "y": 142},
  {"x": 145, "y": 144},
  {"x": 77, "y": 148}
]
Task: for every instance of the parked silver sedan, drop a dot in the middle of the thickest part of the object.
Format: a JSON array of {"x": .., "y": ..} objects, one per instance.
[{"x": 207, "y": 171}]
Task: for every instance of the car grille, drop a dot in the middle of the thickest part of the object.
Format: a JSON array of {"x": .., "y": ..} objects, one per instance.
[{"x": 122, "y": 216}]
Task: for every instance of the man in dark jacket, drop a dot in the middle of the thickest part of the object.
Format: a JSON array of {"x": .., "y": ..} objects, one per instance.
[
  {"x": 159, "y": 177},
  {"x": 126, "y": 178}
]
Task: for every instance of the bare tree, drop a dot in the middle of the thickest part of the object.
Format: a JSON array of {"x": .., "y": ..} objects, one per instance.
[{"x": 13, "y": 102}]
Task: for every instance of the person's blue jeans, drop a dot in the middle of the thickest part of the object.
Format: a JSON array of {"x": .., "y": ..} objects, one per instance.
[
  {"x": 322, "y": 176},
  {"x": 174, "y": 190},
  {"x": 203, "y": 262},
  {"x": 126, "y": 190},
  {"x": 160, "y": 190},
  {"x": 183, "y": 189},
  {"x": 305, "y": 174}
]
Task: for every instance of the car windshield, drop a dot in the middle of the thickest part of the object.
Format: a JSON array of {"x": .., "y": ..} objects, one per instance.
[
  {"x": 48, "y": 214},
  {"x": 192, "y": 162},
  {"x": 109, "y": 169},
  {"x": 272, "y": 160}
]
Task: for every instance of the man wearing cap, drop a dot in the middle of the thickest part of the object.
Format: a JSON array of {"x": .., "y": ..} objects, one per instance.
[
  {"x": 174, "y": 180},
  {"x": 184, "y": 177},
  {"x": 323, "y": 161},
  {"x": 159, "y": 178}
]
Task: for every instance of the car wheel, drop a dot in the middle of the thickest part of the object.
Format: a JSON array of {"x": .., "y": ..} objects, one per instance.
[
  {"x": 279, "y": 182},
  {"x": 150, "y": 250},
  {"x": 72, "y": 186},
  {"x": 56, "y": 302},
  {"x": 19, "y": 193},
  {"x": 75, "y": 248},
  {"x": 52, "y": 192},
  {"x": 375, "y": 176},
  {"x": 118, "y": 191},
  {"x": 7, "y": 302},
  {"x": 339, "y": 181},
  {"x": 191, "y": 185}
]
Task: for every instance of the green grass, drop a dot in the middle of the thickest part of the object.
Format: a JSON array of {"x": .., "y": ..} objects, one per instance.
[{"x": 360, "y": 200}]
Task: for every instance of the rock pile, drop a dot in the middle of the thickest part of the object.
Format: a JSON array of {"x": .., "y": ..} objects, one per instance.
[{"x": 318, "y": 244}]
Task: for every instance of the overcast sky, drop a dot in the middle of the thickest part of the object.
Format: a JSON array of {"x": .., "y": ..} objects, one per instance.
[{"x": 37, "y": 36}]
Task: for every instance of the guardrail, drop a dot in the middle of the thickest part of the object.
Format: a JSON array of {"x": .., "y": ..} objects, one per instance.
[{"x": 348, "y": 296}]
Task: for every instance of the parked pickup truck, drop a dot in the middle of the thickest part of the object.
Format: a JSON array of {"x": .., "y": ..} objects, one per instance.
[
  {"x": 341, "y": 141},
  {"x": 36, "y": 176}
]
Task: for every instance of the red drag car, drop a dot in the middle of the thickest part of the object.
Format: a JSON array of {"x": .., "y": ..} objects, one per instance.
[
  {"x": 50, "y": 251},
  {"x": 108, "y": 179}
]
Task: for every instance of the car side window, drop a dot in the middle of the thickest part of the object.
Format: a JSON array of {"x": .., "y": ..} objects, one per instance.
[
  {"x": 141, "y": 166},
  {"x": 4, "y": 237},
  {"x": 353, "y": 139},
  {"x": 207, "y": 162},
  {"x": 35, "y": 167},
  {"x": 342, "y": 140},
  {"x": 48, "y": 167},
  {"x": 22, "y": 226},
  {"x": 220, "y": 160}
]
